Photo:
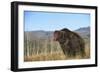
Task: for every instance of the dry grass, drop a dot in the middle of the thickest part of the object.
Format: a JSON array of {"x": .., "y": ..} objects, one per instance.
[
  {"x": 45, "y": 57},
  {"x": 54, "y": 56}
]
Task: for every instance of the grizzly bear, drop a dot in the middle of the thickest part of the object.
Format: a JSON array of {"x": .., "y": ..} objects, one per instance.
[{"x": 71, "y": 43}]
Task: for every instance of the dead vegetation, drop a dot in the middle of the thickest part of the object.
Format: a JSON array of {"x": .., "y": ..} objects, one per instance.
[
  {"x": 45, "y": 50},
  {"x": 54, "y": 56}
]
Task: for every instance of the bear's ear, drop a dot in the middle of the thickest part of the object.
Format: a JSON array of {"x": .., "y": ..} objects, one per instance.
[{"x": 58, "y": 33}]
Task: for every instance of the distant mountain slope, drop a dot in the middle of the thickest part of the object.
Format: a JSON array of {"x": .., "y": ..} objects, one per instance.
[
  {"x": 84, "y": 32},
  {"x": 31, "y": 35},
  {"x": 38, "y": 34}
]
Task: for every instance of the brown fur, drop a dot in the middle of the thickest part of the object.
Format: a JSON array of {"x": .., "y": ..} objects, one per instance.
[{"x": 70, "y": 42}]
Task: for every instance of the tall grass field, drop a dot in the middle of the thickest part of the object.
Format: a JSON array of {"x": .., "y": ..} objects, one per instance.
[{"x": 47, "y": 49}]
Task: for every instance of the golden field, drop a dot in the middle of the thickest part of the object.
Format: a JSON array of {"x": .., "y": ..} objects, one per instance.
[{"x": 49, "y": 50}]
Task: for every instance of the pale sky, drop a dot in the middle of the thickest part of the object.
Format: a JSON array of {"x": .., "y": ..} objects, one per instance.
[{"x": 50, "y": 21}]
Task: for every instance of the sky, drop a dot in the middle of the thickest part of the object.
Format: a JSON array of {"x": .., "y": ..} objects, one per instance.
[{"x": 51, "y": 21}]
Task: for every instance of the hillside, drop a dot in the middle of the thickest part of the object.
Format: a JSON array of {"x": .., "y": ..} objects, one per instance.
[{"x": 84, "y": 32}]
